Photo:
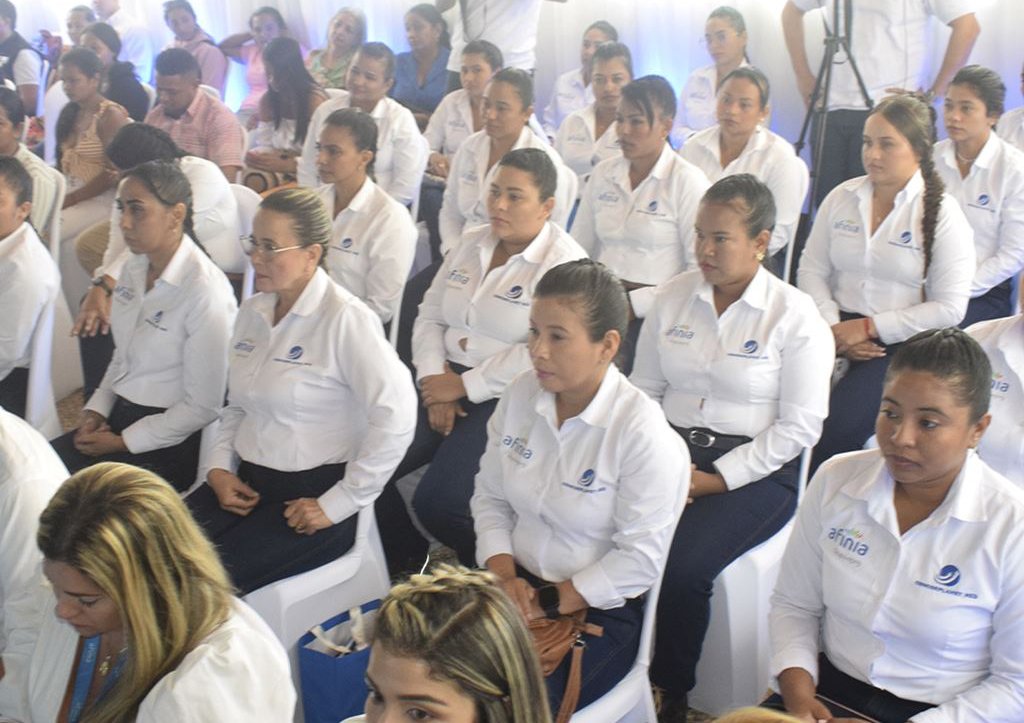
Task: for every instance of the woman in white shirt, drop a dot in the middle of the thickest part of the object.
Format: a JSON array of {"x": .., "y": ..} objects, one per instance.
[
  {"x": 740, "y": 143},
  {"x": 580, "y": 485},
  {"x": 1011, "y": 125},
  {"x": 468, "y": 343},
  {"x": 573, "y": 90},
  {"x": 145, "y": 627},
  {"x": 29, "y": 280},
  {"x": 636, "y": 213},
  {"x": 588, "y": 136},
  {"x": 1002, "y": 447},
  {"x": 900, "y": 593},
  {"x": 725, "y": 36},
  {"x": 373, "y": 237},
  {"x": 741, "y": 363},
  {"x": 171, "y": 319},
  {"x": 320, "y": 410},
  {"x": 508, "y": 105},
  {"x": 889, "y": 255},
  {"x": 985, "y": 174}
]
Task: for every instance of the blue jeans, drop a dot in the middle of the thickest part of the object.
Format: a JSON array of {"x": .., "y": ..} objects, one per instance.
[{"x": 713, "y": 532}]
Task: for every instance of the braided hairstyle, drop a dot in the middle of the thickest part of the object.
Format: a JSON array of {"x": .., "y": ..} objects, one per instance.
[
  {"x": 466, "y": 631},
  {"x": 914, "y": 118}
]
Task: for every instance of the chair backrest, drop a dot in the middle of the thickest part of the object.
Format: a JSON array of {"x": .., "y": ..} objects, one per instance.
[
  {"x": 805, "y": 182},
  {"x": 51, "y": 232},
  {"x": 150, "y": 93},
  {"x": 40, "y": 404},
  {"x": 248, "y": 201},
  {"x": 210, "y": 90}
]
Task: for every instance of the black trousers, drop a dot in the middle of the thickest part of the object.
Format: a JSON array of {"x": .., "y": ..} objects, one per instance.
[
  {"x": 14, "y": 391},
  {"x": 841, "y": 153},
  {"x": 993, "y": 304},
  {"x": 177, "y": 464},
  {"x": 858, "y": 696},
  {"x": 261, "y": 548}
]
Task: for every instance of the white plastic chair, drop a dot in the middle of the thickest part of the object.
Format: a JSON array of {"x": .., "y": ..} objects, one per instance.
[
  {"x": 734, "y": 667},
  {"x": 294, "y": 605},
  {"x": 631, "y": 700},
  {"x": 150, "y": 93},
  {"x": 51, "y": 229},
  {"x": 210, "y": 91},
  {"x": 40, "y": 404},
  {"x": 248, "y": 201}
]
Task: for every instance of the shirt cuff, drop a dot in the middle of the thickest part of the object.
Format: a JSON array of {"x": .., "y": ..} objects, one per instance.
[
  {"x": 885, "y": 324},
  {"x": 113, "y": 269},
  {"x": 491, "y": 543},
  {"x": 642, "y": 300},
  {"x": 794, "y": 658},
  {"x": 337, "y": 503},
  {"x": 138, "y": 439},
  {"x": 595, "y": 587},
  {"x": 101, "y": 402},
  {"x": 477, "y": 389},
  {"x": 735, "y": 473}
]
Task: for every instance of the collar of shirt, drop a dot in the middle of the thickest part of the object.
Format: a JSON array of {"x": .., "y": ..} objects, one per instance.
[
  {"x": 596, "y": 414},
  {"x": 984, "y": 159},
  {"x": 15, "y": 237},
  {"x": 177, "y": 268},
  {"x": 358, "y": 203},
  {"x": 197, "y": 106},
  {"x": 307, "y": 304},
  {"x": 864, "y": 188},
  {"x": 662, "y": 169},
  {"x": 754, "y": 296},
  {"x": 575, "y": 80},
  {"x": 534, "y": 252},
  {"x": 1011, "y": 344}
]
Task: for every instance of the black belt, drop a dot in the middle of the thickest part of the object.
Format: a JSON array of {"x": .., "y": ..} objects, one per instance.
[{"x": 710, "y": 439}]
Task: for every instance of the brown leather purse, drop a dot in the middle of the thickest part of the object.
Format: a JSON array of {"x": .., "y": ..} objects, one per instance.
[{"x": 552, "y": 639}]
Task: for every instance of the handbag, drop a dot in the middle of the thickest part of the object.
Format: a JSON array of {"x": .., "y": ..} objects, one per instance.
[
  {"x": 333, "y": 658},
  {"x": 553, "y": 638}
]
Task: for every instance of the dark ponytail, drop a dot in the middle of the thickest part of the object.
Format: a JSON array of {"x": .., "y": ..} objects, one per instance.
[{"x": 914, "y": 118}]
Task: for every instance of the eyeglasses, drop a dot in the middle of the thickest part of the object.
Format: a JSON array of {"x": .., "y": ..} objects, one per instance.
[{"x": 252, "y": 247}]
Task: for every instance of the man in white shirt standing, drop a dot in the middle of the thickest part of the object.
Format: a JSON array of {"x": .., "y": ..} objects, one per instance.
[
  {"x": 19, "y": 61},
  {"x": 30, "y": 472},
  {"x": 889, "y": 45},
  {"x": 136, "y": 46}
]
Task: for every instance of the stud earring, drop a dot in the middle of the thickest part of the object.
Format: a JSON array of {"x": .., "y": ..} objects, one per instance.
[{"x": 760, "y": 256}]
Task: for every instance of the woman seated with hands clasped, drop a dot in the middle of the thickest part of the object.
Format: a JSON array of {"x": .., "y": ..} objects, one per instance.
[
  {"x": 320, "y": 410},
  {"x": 373, "y": 237},
  {"x": 741, "y": 363},
  {"x": 145, "y": 627},
  {"x": 580, "y": 485},
  {"x": 469, "y": 342},
  {"x": 889, "y": 255},
  {"x": 901, "y": 593},
  {"x": 171, "y": 318}
]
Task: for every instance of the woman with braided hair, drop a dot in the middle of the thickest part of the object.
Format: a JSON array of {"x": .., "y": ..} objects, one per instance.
[
  {"x": 890, "y": 254},
  {"x": 451, "y": 646}
]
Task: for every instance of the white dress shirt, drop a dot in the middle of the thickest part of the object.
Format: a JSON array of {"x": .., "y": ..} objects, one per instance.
[
  {"x": 935, "y": 614},
  {"x": 373, "y": 243},
  {"x": 490, "y": 310},
  {"x": 509, "y": 24},
  {"x": 593, "y": 500},
  {"x": 239, "y": 672},
  {"x": 882, "y": 275},
  {"x": 29, "y": 280},
  {"x": 579, "y": 148},
  {"x": 569, "y": 95},
  {"x": 322, "y": 386},
  {"x": 171, "y": 347},
  {"x": 644, "y": 235},
  {"x": 28, "y": 70},
  {"x": 214, "y": 215},
  {"x": 890, "y": 44},
  {"x": 771, "y": 159},
  {"x": 30, "y": 472},
  {"x": 136, "y": 47},
  {"x": 1011, "y": 127},
  {"x": 992, "y": 198},
  {"x": 44, "y": 187},
  {"x": 452, "y": 123},
  {"x": 1002, "y": 447},
  {"x": 698, "y": 103},
  {"x": 401, "y": 151},
  {"x": 762, "y": 369}
]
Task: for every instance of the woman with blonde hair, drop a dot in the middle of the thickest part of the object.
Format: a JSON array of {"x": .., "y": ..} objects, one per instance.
[
  {"x": 756, "y": 715},
  {"x": 145, "y": 626},
  {"x": 454, "y": 642}
]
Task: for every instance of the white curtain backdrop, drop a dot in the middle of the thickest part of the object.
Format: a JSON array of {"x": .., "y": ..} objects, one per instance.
[{"x": 664, "y": 36}]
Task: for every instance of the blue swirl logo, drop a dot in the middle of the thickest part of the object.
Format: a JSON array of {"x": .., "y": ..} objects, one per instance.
[
  {"x": 515, "y": 292},
  {"x": 749, "y": 346},
  {"x": 983, "y": 199},
  {"x": 949, "y": 576},
  {"x": 587, "y": 478},
  {"x": 295, "y": 352},
  {"x": 905, "y": 237},
  {"x": 346, "y": 243},
  {"x": 652, "y": 206},
  {"x": 157, "y": 317}
]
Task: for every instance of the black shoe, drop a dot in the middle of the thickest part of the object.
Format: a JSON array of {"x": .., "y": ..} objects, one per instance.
[{"x": 674, "y": 709}]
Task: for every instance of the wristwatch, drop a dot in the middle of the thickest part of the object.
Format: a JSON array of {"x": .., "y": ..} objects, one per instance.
[
  {"x": 102, "y": 283},
  {"x": 548, "y": 598}
]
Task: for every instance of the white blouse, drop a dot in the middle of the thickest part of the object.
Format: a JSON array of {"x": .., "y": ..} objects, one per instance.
[
  {"x": 578, "y": 145},
  {"x": 29, "y": 280}
]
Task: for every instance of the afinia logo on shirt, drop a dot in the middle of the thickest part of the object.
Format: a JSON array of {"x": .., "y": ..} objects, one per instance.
[
  {"x": 850, "y": 540},
  {"x": 295, "y": 353},
  {"x": 517, "y": 445},
  {"x": 680, "y": 331},
  {"x": 999, "y": 384},
  {"x": 949, "y": 576},
  {"x": 847, "y": 225},
  {"x": 749, "y": 346},
  {"x": 515, "y": 292},
  {"x": 346, "y": 243},
  {"x": 983, "y": 199},
  {"x": 587, "y": 478},
  {"x": 906, "y": 237},
  {"x": 154, "y": 320},
  {"x": 458, "y": 276}
]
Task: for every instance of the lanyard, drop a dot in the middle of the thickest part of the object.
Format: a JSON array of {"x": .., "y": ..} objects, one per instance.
[{"x": 83, "y": 677}]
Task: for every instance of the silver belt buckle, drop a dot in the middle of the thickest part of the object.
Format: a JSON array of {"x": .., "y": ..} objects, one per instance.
[{"x": 700, "y": 439}]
